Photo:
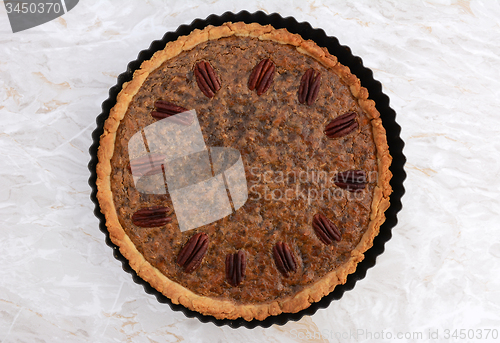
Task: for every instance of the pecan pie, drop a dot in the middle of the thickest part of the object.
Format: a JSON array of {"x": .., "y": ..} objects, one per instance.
[{"x": 298, "y": 159}]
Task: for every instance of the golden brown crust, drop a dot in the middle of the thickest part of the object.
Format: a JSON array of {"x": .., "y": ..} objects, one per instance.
[{"x": 225, "y": 308}]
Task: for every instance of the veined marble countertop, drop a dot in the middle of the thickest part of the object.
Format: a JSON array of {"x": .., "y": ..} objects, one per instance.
[{"x": 439, "y": 63}]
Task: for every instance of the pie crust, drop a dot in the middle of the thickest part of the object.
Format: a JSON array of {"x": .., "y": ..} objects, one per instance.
[{"x": 220, "y": 307}]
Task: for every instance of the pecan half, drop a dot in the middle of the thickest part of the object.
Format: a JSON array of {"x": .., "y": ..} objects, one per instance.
[
  {"x": 325, "y": 229},
  {"x": 352, "y": 180},
  {"x": 151, "y": 216},
  {"x": 309, "y": 86},
  {"x": 262, "y": 76},
  {"x": 235, "y": 267},
  {"x": 341, "y": 125},
  {"x": 192, "y": 253},
  {"x": 150, "y": 164},
  {"x": 285, "y": 261},
  {"x": 206, "y": 78},
  {"x": 165, "y": 109}
]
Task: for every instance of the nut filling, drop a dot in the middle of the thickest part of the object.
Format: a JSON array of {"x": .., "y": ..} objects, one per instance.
[{"x": 310, "y": 159}]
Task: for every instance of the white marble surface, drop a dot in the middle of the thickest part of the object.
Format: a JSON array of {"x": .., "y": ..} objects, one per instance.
[{"x": 439, "y": 63}]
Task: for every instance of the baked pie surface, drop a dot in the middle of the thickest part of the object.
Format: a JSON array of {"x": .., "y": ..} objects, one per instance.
[{"x": 300, "y": 232}]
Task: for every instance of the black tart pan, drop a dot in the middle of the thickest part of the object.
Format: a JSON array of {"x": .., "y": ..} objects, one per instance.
[{"x": 345, "y": 56}]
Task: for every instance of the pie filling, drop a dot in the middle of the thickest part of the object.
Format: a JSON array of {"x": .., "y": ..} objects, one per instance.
[{"x": 310, "y": 172}]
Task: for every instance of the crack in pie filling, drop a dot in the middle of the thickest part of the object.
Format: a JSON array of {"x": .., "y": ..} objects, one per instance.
[{"x": 315, "y": 159}]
